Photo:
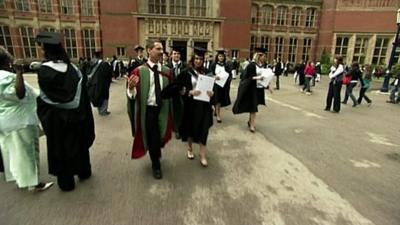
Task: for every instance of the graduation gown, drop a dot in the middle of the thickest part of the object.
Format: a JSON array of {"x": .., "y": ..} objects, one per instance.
[
  {"x": 1, "y": 163},
  {"x": 99, "y": 82},
  {"x": 69, "y": 132},
  {"x": 221, "y": 94},
  {"x": 197, "y": 115},
  {"x": 177, "y": 103},
  {"x": 140, "y": 146},
  {"x": 248, "y": 96}
]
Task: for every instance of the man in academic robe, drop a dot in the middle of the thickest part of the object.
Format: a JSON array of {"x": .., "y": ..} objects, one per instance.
[
  {"x": 177, "y": 65},
  {"x": 100, "y": 78},
  {"x": 208, "y": 62},
  {"x": 138, "y": 60},
  {"x": 153, "y": 123}
]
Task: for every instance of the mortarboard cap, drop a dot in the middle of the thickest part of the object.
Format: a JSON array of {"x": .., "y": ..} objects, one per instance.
[
  {"x": 138, "y": 47},
  {"x": 177, "y": 48},
  {"x": 260, "y": 50},
  {"x": 220, "y": 51},
  {"x": 49, "y": 38},
  {"x": 199, "y": 51}
]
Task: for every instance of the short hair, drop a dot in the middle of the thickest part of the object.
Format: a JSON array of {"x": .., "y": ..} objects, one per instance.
[
  {"x": 151, "y": 42},
  {"x": 5, "y": 56},
  {"x": 339, "y": 59}
]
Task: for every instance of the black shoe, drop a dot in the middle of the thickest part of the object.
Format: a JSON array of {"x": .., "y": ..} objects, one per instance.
[
  {"x": 326, "y": 109},
  {"x": 157, "y": 174},
  {"x": 344, "y": 103},
  {"x": 84, "y": 176}
]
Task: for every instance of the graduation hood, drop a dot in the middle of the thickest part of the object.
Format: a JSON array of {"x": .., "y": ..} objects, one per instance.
[{"x": 58, "y": 66}]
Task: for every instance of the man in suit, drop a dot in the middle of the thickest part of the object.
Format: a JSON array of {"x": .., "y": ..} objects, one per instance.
[{"x": 152, "y": 122}]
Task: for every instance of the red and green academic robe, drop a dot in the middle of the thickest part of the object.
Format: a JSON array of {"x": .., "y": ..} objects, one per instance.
[{"x": 140, "y": 147}]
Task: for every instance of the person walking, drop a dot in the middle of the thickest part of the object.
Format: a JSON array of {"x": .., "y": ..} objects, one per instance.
[
  {"x": 99, "y": 81},
  {"x": 356, "y": 75},
  {"x": 152, "y": 119},
  {"x": 278, "y": 70},
  {"x": 64, "y": 110},
  {"x": 365, "y": 84},
  {"x": 19, "y": 132},
  {"x": 249, "y": 96},
  {"x": 221, "y": 93},
  {"x": 197, "y": 115},
  {"x": 335, "y": 85},
  {"x": 309, "y": 72}
]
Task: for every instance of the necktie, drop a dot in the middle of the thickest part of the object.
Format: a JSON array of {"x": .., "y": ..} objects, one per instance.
[
  {"x": 157, "y": 85},
  {"x": 176, "y": 70}
]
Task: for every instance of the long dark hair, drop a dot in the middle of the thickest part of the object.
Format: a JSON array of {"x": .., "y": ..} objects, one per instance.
[
  {"x": 191, "y": 62},
  {"x": 216, "y": 58},
  {"x": 55, "y": 53}
]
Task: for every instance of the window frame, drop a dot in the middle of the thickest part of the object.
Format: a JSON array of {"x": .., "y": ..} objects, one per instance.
[
  {"x": 46, "y": 6},
  {"x": 380, "y": 58},
  {"x": 307, "y": 45},
  {"x": 71, "y": 46},
  {"x": 6, "y": 39},
  {"x": 311, "y": 15},
  {"x": 22, "y": 5},
  {"x": 293, "y": 48},
  {"x": 281, "y": 15},
  {"x": 296, "y": 16},
  {"x": 67, "y": 7},
  {"x": 28, "y": 42},
  {"x": 279, "y": 47},
  {"x": 89, "y": 41}
]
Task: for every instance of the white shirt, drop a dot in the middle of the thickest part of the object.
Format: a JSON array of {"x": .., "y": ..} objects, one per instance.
[{"x": 335, "y": 73}]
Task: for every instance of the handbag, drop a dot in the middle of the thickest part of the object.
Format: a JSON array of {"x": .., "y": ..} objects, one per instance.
[{"x": 346, "y": 79}]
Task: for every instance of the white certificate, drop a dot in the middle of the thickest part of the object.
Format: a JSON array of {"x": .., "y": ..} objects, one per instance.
[
  {"x": 267, "y": 76},
  {"x": 204, "y": 84},
  {"x": 223, "y": 77}
]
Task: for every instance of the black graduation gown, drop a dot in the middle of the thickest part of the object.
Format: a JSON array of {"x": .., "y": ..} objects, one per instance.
[
  {"x": 177, "y": 103},
  {"x": 249, "y": 96},
  {"x": 300, "y": 72},
  {"x": 221, "y": 94},
  {"x": 197, "y": 115},
  {"x": 134, "y": 63},
  {"x": 69, "y": 132},
  {"x": 99, "y": 84}
]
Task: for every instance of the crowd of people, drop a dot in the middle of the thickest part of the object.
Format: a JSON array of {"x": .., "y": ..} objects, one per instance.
[{"x": 163, "y": 95}]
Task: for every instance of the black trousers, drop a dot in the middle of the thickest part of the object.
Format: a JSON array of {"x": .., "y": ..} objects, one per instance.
[
  {"x": 153, "y": 135},
  {"x": 277, "y": 82},
  {"x": 66, "y": 180},
  {"x": 333, "y": 94},
  {"x": 363, "y": 95}
]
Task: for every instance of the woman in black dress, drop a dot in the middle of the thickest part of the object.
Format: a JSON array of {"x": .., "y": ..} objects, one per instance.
[
  {"x": 221, "y": 94},
  {"x": 197, "y": 115},
  {"x": 249, "y": 96}
]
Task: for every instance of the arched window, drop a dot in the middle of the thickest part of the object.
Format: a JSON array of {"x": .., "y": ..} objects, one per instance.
[
  {"x": 281, "y": 13},
  {"x": 5, "y": 38},
  {"x": 254, "y": 12},
  {"x": 89, "y": 41},
  {"x": 28, "y": 42},
  {"x": 265, "y": 43},
  {"x": 296, "y": 15},
  {"x": 310, "y": 19},
  {"x": 70, "y": 42},
  {"x": 267, "y": 14}
]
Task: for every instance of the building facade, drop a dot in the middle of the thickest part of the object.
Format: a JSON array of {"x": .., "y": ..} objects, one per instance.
[
  {"x": 21, "y": 20},
  {"x": 293, "y": 30}
]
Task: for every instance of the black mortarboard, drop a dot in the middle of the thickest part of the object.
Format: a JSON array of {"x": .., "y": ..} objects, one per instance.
[
  {"x": 138, "y": 47},
  {"x": 199, "y": 51},
  {"x": 220, "y": 51},
  {"x": 260, "y": 50},
  {"x": 49, "y": 38},
  {"x": 177, "y": 48}
]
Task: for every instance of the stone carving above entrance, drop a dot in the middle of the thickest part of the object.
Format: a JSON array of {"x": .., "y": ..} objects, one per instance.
[{"x": 172, "y": 27}]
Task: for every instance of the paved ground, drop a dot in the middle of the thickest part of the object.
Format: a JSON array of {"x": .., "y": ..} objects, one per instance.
[{"x": 304, "y": 166}]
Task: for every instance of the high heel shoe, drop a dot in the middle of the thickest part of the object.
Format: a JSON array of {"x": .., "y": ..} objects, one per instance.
[
  {"x": 190, "y": 154},
  {"x": 203, "y": 162}
]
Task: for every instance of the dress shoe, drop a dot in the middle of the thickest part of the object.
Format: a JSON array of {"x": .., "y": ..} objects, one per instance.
[
  {"x": 157, "y": 174},
  {"x": 43, "y": 186}
]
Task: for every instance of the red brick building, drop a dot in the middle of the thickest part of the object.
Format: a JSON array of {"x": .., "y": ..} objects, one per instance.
[
  {"x": 21, "y": 20},
  {"x": 360, "y": 30}
]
